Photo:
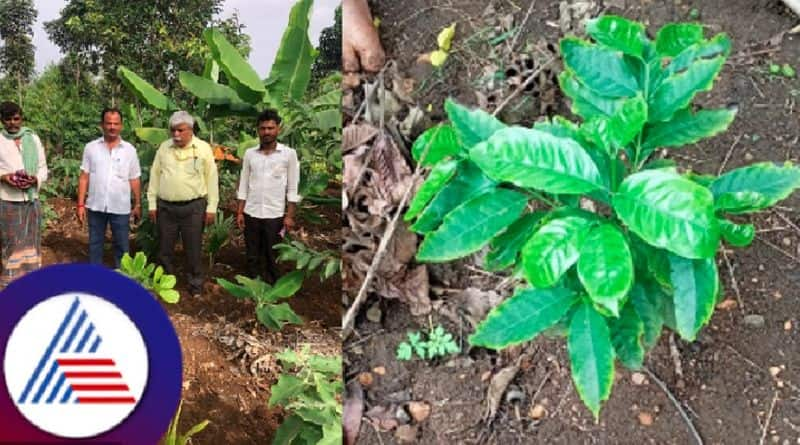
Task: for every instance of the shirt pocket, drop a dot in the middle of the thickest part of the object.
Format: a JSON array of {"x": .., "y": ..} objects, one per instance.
[
  {"x": 279, "y": 169},
  {"x": 119, "y": 169}
]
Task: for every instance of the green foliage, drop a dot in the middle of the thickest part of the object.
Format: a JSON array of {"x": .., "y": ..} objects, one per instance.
[
  {"x": 150, "y": 276},
  {"x": 643, "y": 257},
  {"x": 173, "y": 437},
  {"x": 48, "y": 215},
  {"x": 440, "y": 343},
  {"x": 310, "y": 388},
  {"x": 307, "y": 259},
  {"x": 63, "y": 179},
  {"x": 16, "y": 30},
  {"x": 218, "y": 235},
  {"x": 271, "y": 314},
  {"x": 329, "y": 59}
]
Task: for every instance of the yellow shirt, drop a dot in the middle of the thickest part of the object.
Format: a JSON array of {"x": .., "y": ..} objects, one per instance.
[{"x": 183, "y": 174}]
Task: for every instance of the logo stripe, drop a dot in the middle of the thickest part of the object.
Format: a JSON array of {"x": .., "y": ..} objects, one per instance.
[
  {"x": 46, "y": 357},
  {"x": 85, "y": 338},
  {"x": 121, "y": 387},
  {"x": 45, "y": 382},
  {"x": 106, "y": 400},
  {"x": 92, "y": 375},
  {"x": 56, "y": 388},
  {"x": 85, "y": 362},
  {"x": 67, "y": 395},
  {"x": 96, "y": 344},
  {"x": 74, "y": 332}
]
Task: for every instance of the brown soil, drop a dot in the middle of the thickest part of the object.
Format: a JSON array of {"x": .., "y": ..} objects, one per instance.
[
  {"x": 726, "y": 386},
  {"x": 228, "y": 364}
]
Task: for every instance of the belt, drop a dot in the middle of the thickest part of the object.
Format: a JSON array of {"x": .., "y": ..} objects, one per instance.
[{"x": 180, "y": 203}]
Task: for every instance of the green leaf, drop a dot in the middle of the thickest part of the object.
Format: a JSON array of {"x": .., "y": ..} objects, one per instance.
[
  {"x": 705, "y": 49},
  {"x": 288, "y": 430},
  {"x": 154, "y": 136},
  {"x": 737, "y": 235},
  {"x": 437, "y": 178},
  {"x": 274, "y": 316},
  {"x": 235, "y": 290},
  {"x": 331, "y": 434},
  {"x": 755, "y": 187},
  {"x": 601, "y": 69},
  {"x": 167, "y": 281},
  {"x": 647, "y": 300},
  {"x": 591, "y": 356},
  {"x": 669, "y": 211},
  {"x": 471, "y": 225},
  {"x": 553, "y": 249},
  {"x": 673, "y": 38},
  {"x": 585, "y": 102},
  {"x": 139, "y": 261},
  {"x": 287, "y": 285},
  {"x": 696, "y": 285},
  {"x": 522, "y": 317},
  {"x": 330, "y": 268},
  {"x": 615, "y": 132},
  {"x": 626, "y": 336},
  {"x": 143, "y": 90},
  {"x": 471, "y": 126},
  {"x": 404, "y": 351},
  {"x": 533, "y": 158},
  {"x": 194, "y": 430},
  {"x": 605, "y": 267},
  {"x": 468, "y": 183},
  {"x": 241, "y": 76},
  {"x": 506, "y": 246},
  {"x": 169, "y": 295},
  {"x": 685, "y": 128},
  {"x": 677, "y": 90},
  {"x": 618, "y": 33},
  {"x": 287, "y": 387},
  {"x": 441, "y": 141},
  {"x": 291, "y": 69},
  {"x": 327, "y": 119},
  {"x": 208, "y": 90}
]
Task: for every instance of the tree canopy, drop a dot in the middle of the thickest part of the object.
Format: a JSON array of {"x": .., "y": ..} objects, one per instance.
[{"x": 16, "y": 30}]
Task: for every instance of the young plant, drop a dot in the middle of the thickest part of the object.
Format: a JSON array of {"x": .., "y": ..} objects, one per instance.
[
  {"x": 150, "y": 276},
  {"x": 439, "y": 344},
  {"x": 309, "y": 259},
  {"x": 175, "y": 438},
  {"x": 217, "y": 236},
  {"x": 311, "y": 389},
  {"x": 271, "y": 314},
  {"x": 624, "y": 245}
]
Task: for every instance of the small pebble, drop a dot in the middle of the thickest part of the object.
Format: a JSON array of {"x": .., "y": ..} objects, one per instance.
[
  {"x": 774, "y": 370},
  {"x": 380, "y": 370},
  {"x": 787, "y": 241},
  {"x": 365, "y": 378},
  {"x": 537, "y": 412},
  {"x": 638, "y": 378},
  {"x": 778, "y": 295},
  {"x": 645, "y": 418},
  {"x": 754, "y": 320},
  {"x": 748, "y": 157},
  {"x": 727, "y": 304},
  {"x": 374, "y": 313},
  {"x": 787, "y": 326},
  {"x": 419, "y": 410}
]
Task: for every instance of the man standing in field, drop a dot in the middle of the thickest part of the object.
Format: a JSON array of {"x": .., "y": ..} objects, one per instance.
[
  {"x": 270, "y": 174},
  {"x": 110, "y": 172},
  {"x": 182, "y": 196}
]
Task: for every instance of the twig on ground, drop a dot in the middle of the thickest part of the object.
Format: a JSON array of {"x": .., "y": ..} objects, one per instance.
[
  {"x": 785, "y": 253},
  {"x": 728, "y": 155},
  {"x": 769, "y": 417},
  {"x": 676, "y": 357},
  {"x": 522, "y": 26},
  {"x": 786, "y": 220},
  {"x": 531, "y": 78},
  {"x": 677, "y": 404},
  {"x": 745, "y": 359},
  {"x": 362, "y": 340},
  {"x": 734, "y": 283}
]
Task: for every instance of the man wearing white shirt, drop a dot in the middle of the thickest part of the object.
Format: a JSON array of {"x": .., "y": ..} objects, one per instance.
[
  {"x": 110, "y": 171},
  {"x": 267, "y": 196}
]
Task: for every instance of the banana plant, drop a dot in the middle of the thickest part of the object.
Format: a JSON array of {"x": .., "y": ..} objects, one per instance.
[
  {"x": 621, "y": 245},
  {"x": 271, "y": 314},
  {"x": 218, "y": 235},
  {"x": 150, "y": 276},
  {"x": 173, "y": 437}
]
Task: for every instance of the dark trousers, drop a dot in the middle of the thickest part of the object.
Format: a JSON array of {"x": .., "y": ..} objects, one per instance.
[
  {"x": 185, "y": 219},
  {"x": 120, "y": 228},
  {"x": 260, "y": 235}
]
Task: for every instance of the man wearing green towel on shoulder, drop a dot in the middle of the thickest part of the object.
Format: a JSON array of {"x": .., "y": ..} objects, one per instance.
[{"x": 22, "y": 171}]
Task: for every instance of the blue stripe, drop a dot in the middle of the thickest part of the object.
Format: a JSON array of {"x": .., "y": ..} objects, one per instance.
[
  {"x": 67, "y": 394},
  {"x": 46, "y": 357},
  {"x": 74, "y": 332},
  {"x": 56, "y": 388},
  {"x": 46, "y": 382},
  {"x": 85, "y": 338},
  {"x": 96, "y": 344}
]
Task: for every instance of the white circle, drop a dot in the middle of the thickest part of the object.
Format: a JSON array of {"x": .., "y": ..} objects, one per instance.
[{"x": 100, "y": 384}]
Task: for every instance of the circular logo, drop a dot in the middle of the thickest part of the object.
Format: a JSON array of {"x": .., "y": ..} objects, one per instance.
[
  {"x": 75, "y": 365},
  {"x": 88, "y": 354}
]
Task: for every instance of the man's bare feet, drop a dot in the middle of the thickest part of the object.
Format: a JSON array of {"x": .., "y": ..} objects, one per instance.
[{"x": 361, "y": 46}]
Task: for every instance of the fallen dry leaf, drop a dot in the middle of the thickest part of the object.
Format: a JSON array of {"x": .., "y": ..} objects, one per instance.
[
  {"x": 497, "y": 387},
  {"x": 537, "y": 412},
  {"x": 406, "y": 434},
  {"x": 645, "y": 418},
  {"x": 727, "y": 304},
  {"x": 383, "y": 417},
  {"x": 365, "y": 379},
  {"x": 352, "y": 411},
  {"x": 419, "y": 410}
]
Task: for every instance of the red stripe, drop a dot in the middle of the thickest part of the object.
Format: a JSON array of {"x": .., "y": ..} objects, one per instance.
[
  {"x": 122, "y": 387},
  {"x": 84, "y": 361},
  {"x": 106, "y": 400},
  {"x": 92, "y": 375}
]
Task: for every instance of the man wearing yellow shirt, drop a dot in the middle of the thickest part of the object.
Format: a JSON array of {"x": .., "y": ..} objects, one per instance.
[{"x": 183, "y": 195}]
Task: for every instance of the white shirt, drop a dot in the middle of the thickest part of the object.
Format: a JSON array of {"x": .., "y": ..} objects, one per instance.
[
  {"x": 11, "y": 161},
  {"x": 267, "y": 181},
  {"x": 110, "y": 175}
]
